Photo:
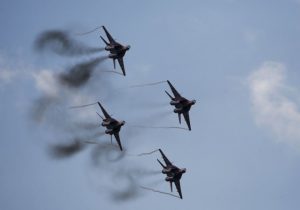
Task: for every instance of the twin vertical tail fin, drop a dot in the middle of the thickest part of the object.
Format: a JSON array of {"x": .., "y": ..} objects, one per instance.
[
  {"x": 169, "y": 95},
  {"x": 161, "y": 164},
  {"x": 114, "y": 60},
  {"x": 104, "y": 40}
]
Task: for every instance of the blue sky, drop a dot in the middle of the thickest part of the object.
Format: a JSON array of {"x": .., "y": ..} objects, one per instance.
[{"x": 238, "y": 59}]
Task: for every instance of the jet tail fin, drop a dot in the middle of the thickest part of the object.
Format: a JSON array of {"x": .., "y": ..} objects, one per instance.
[
  {"x": 161, "y": 164},
  {"x": 100, "y": 116},
  {"x": 104, "y": 40},
  {"x": 114, "y": 60},
  {"x": 169, "y": 95}
]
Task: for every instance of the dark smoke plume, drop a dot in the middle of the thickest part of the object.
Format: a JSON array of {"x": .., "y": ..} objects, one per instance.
[
  {"x": 40, "y": 107},
  {"x": 66, "y": 150},
  {"x": 61, "y": 43},
  {"x": 79, "y": 74},
  {"x": 132, "y": 189},
  {"x": 106, "y": 152}
]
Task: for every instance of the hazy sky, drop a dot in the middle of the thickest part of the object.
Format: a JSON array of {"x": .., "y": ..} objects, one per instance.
[{"x": 238, "y": 59}]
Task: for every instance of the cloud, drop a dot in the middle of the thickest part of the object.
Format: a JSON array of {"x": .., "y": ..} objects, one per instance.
[
  {"x": 251, "y": 35},
  {"x": 273, "y": 106},
  {"x": 12, "y": 68},
  {"x": 60, "y": 42},
  {"x": 46, "y": 82},
  {"x": 6, "y": 75},
  {"x": 6, "y": 72}
]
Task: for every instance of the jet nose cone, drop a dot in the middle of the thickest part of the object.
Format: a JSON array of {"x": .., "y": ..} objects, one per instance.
[{"x": 128, "y": 47}]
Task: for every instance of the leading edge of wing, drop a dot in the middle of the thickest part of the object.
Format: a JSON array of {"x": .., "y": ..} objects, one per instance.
[
  {"x": 174, "y": 91},
  {"x": 186, "y": 116},
  {"x": 111, "y": 40},
  {"x": 106, "y": 115},
  {"x": 117, "y": 136},
  {"x": 178, "y": 187},
  {"x": 121, "y": 63},
  {"x": 168, "y": 163}
]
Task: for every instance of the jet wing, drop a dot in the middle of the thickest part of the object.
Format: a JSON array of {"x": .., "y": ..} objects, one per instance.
[
  {"x": 177, "y": 184},
  {"x": 106, "y": 115},
  {"x": 187, "y": 119},
  {"x": 175, "y": 92},
  {"x": 168, "y": 163},
  {"x": 111, "y": 40},
  {"x": 121, "y": 63},
  {"x": 118, "y": 140}
]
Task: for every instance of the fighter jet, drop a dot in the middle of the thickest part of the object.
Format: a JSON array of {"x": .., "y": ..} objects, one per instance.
[
  {"x": 117, "y": 50},
  {"x": 113, "y": 126},
  {"x": 173, "y": 173},
  {"x": 182, "y": 105}
]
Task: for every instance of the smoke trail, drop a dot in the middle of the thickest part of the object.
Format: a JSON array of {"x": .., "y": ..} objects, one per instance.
[
  {"x": 158, "y": 127},
  {"x": 61, "y": 43},
  {"x": 110, "y": 71},
  {"x": 142, "y": 154},
  {"x": 148, "y": 153},
  {"x": 86, "y": 125},
  {"x": 81, "y": 106},
  {"x": 129, "y": 192},
  {"x": 66, "y": 150},
  {"x": 40, "y": 107},
  {"x": 70, "y": 149},
  {"x": 147, "y": 84},
  {"x": 79, "y": 74},
  {"x": 153, "y": 190},
  {"x": 88, "y": 32},
  {"x": 131, "y": 178},
  {"x": 105, "y": 152}
]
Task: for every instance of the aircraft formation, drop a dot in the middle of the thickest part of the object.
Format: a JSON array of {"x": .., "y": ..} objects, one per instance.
[{"x": 113, "y": 126}]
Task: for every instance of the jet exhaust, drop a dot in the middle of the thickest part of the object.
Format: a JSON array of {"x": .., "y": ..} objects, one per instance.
[
  {"x": 157, "y": 191},
  {"x": 147, "y": 84},
  {"x": 79, "y": 74},
  {"x": 61, "y": 43}
]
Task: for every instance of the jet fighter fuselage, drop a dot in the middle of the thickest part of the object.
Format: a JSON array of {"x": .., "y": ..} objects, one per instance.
[
  {"x": 173, "y": 173},
  {"x": 112, "y": 126},
  {"x": 182, "y": 105}
]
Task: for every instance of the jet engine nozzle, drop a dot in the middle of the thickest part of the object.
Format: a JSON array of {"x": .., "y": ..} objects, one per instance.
[
  {"x": 193, "y": 102},
  {"x": 173, "y": 103},
  {"x": 177, "y": 110},
  {"x": 108, "y": 48},
  {"x": 165, "y": 171},
  {"x": 169, "y": 179},
  {"x": 108, "y": 131},
  {"x": 104, "y": 124},
  {"x": 112, "y": 55}
]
